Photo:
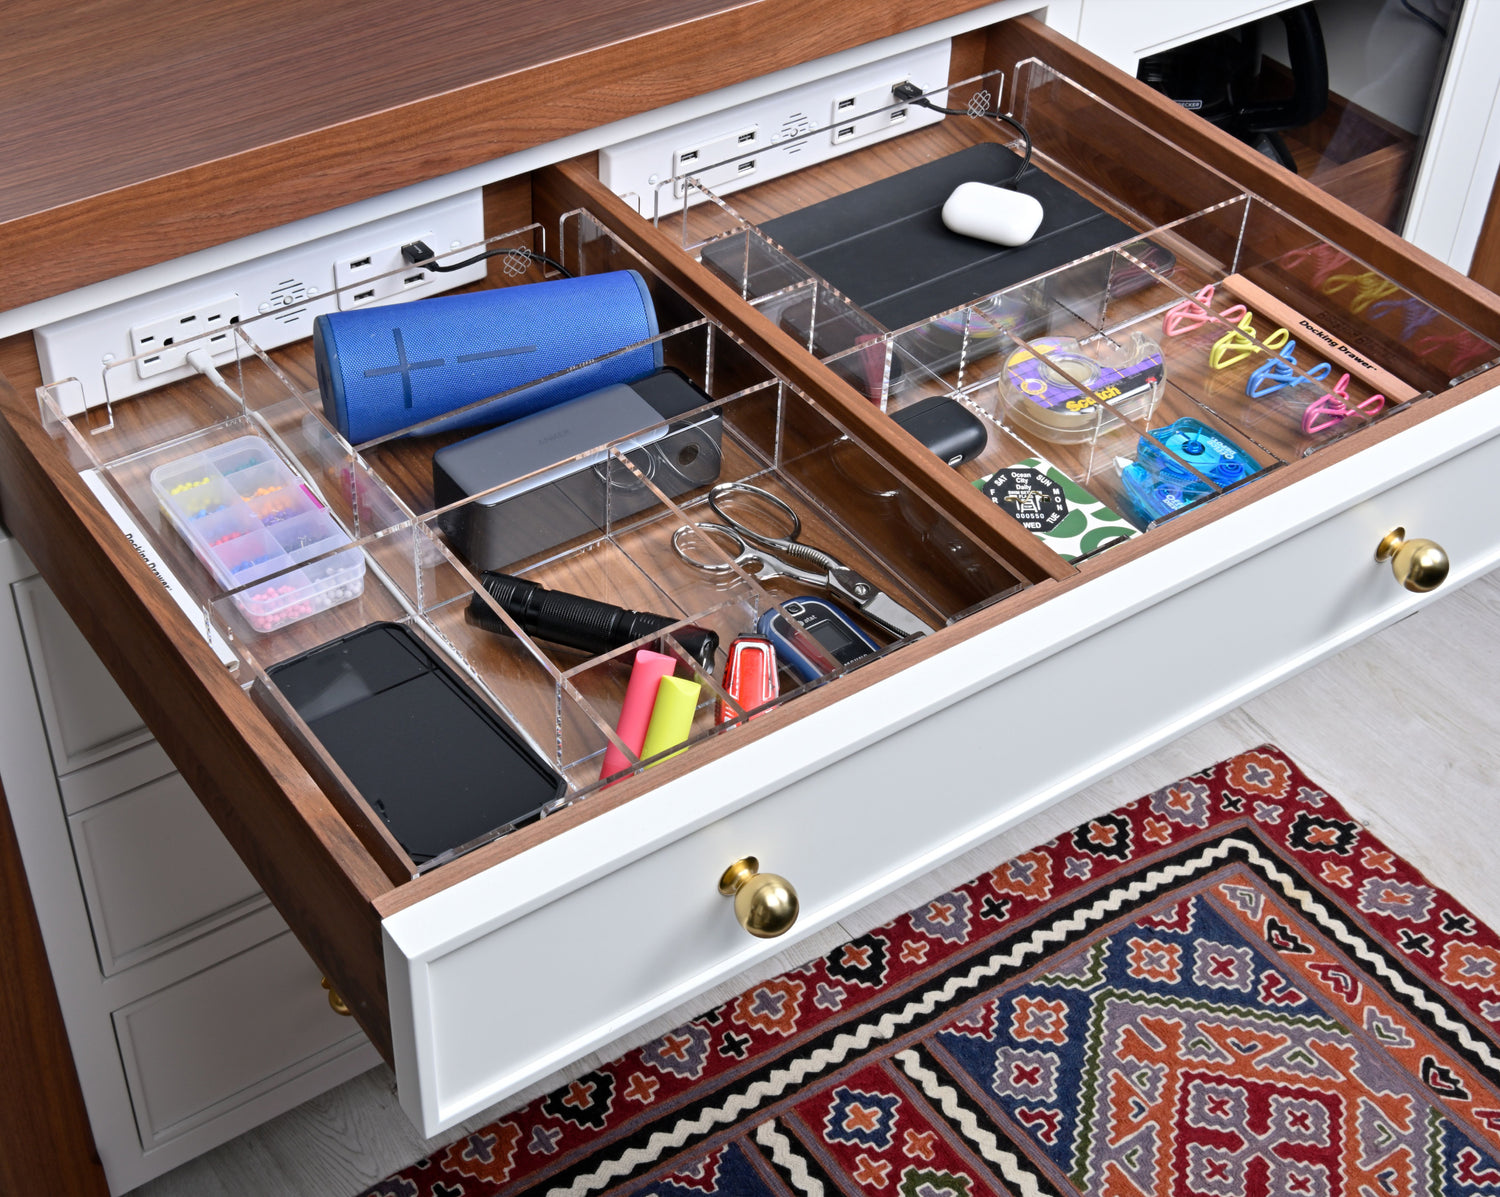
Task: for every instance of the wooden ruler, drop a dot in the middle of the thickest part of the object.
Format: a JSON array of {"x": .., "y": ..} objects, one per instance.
[{"x": 1340, "y": 353}]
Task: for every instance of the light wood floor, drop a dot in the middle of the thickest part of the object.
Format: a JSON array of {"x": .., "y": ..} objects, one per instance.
[{"x": 1403, "y": 729}]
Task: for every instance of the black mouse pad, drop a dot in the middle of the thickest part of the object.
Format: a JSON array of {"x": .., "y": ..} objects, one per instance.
[{"x": 885, "y": 245}]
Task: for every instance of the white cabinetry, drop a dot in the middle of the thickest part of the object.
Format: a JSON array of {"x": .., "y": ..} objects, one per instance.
[{"x": 192, "y": 1011}]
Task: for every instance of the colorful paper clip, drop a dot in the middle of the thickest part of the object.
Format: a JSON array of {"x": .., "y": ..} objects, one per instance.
[
  {"x": 1464, "y": 349},
  {"x": 1282, "y": 371},
  {"x": 1234, "y": 346},
  {"x": 1239, "y": 343},
  {"x": 1325, "y": 260},
  {"x": 1414, "y": 314},
  {"x": 1333, "y": 408},
  {"x": 1189, "y": 314},
  {"x": 1368, "y": 287}
]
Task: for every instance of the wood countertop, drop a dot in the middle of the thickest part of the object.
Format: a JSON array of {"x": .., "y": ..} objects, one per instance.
[{"x": 134, "y": 133}]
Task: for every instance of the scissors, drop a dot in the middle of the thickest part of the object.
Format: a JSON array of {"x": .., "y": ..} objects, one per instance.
[{"x": 788, "y": 557}]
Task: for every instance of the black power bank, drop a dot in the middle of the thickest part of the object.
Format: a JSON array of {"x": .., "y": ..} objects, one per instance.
[
  {"x": 436, "y": 763},
  {"x": 527, "y": 504}
]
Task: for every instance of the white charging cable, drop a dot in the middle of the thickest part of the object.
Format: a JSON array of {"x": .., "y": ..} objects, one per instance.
[{"x": 202, "y": 361}]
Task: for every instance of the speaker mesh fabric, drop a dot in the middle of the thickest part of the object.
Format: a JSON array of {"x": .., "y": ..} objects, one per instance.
[{"x": 384, "y": 369}]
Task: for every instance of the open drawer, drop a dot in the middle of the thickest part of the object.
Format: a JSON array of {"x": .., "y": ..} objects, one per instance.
[
  {"x": 484, "y": 965},
  {"x": 1155, "y": 346}
]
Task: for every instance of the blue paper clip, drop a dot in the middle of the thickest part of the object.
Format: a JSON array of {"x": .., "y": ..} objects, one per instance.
[
  {"x": 1282, "y": 371},
  {"x": 1275, "y": 373},
  {"x": 1414, "y": 314}
]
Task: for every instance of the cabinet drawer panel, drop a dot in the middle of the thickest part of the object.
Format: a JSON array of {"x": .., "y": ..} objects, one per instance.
[
  {"x": 207, "y": 1045},
  {"x": 87, "y": 716},
  {"x": 882, "y": 786},
  {"x": 156, "y": 872}
]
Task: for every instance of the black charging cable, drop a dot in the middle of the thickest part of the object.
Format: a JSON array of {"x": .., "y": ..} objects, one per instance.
[
  {"x": 907, "y": 92},
  {"x": 418, "y": 253}
]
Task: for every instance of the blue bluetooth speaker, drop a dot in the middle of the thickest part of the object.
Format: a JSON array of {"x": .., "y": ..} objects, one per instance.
[{"x": 386, "y": 368}]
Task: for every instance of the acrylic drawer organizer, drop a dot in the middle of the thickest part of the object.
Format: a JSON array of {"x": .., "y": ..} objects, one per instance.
[
  {"x": 645, "y": 547},
  {"x": 247, "y": 517},
  {"x": 1204, "y": 272}
]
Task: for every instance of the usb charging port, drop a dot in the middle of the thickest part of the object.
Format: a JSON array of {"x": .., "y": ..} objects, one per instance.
[
  {"x": 687, "y": 156},
  {"x": 845, "y": 105},
  {"x": 745, "y": 167},
  {"x": 361, "y": 296},
  {"x": 359, "y": 264},
  {"x": 846, "y": 132},
  {"x": 898, "y": 114},
  {"x": 744, "y": 137},
  {"x": 412, "y": 280}
]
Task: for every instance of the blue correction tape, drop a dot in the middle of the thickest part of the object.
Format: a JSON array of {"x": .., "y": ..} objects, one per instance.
[
  {"x": 1157, "y": 482},
  {"x": 1153, "y": 496},
  {"x": 1194, "y": 443}
]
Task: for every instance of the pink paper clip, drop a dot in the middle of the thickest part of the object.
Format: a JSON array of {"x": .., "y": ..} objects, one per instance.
[
  {"x": 1324, "y": 258},
  {"x": 1189, "y": 314},
  {"x": 1333, "y": 408},
  {"x": 1466, "y": 348}
]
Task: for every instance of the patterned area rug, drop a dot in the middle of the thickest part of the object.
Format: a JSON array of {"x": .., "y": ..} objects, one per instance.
[{"x": 1227, "y": 987}]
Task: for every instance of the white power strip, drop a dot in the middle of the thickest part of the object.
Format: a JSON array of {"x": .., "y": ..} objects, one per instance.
[
  {"x": 141, "y": 343},
  {"x": 760, "y": 140}
]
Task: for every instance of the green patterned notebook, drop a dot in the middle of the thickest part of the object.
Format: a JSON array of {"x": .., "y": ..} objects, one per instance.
[{"x": 1069, "y": 520}]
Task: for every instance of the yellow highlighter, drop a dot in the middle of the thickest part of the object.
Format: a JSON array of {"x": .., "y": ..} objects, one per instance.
[{"x": 671, "y": 717}]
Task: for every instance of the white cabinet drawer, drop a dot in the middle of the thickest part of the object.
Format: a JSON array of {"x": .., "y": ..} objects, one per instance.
[
  {"x": 156, "y": 872},
  {"x": 202, "y": 1048},
  {"x": 596, "y": 931},
  {"x": 490, "y": 970},
  {"x": 86, "y": 715}
]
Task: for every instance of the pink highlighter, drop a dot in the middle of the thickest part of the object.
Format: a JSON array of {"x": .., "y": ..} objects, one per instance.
[{"x": 640, "y": 696}]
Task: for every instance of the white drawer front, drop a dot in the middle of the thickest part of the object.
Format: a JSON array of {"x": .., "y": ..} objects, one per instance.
[
  {"x": 156, "y": 872},
  {"x": 508, "y": 975},
  {"x": 204, "y": 1047},
  {"x": 87, "y": 716}
]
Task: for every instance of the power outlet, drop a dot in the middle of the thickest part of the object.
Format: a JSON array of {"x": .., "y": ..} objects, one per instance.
[
  {"x": 163, "y": 345},
  {"x": 769, "y": 137},
  {"x": 730, "y": 151},
  {"x": 862, "y": 114},
  {"x": 276, "y": 298},
  {"x": 384, "y": 275}
]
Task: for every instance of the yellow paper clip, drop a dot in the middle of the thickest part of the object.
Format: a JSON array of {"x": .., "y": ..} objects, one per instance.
[
  {"x": 1368, "y": 287},
  {"x": 1234, "y": 346}
]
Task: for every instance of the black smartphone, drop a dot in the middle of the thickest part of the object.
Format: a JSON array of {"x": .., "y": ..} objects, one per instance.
[{"x": 437, "y": 763}]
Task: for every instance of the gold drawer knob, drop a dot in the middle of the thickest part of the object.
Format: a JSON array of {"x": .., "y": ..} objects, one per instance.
[
  {"x": 336, "y": 1001},
  {"x": 765, "y": 904},
  {"x": 1419, "y": 565}
]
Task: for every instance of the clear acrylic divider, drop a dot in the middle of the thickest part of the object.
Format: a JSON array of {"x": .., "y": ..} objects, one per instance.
[
  {"x": 1266, "y": 360},
  {"x": 414, "y": 581},
  {"x": 646, "y": 550},
  {"x": 320, "y": 540},
  {"x": 1123, "y": 166},
  {"x": 231, "y": 482},
  {"x": 1329, "y": 298},
  {"x": 1105, "y": 408}
]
